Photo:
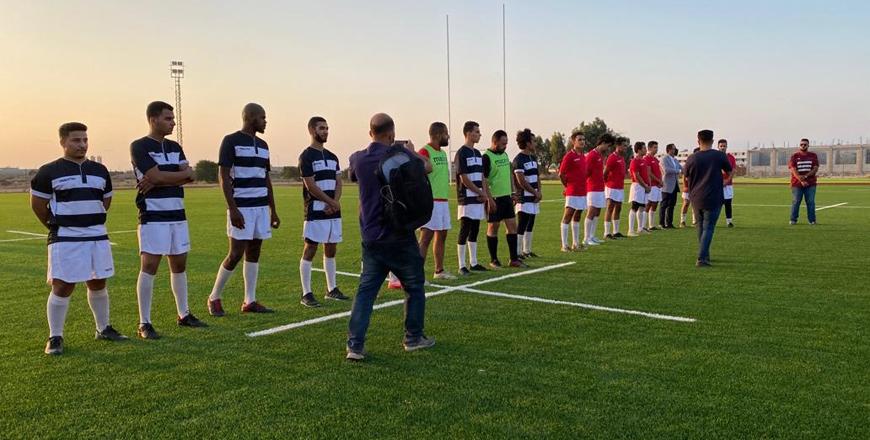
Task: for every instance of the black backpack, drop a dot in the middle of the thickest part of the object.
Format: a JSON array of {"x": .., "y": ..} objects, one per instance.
[{"x": 405, "y": 190}]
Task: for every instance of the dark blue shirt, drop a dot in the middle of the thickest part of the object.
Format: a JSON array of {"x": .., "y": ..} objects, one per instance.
[
  {"x": 704, "y": 175},
  {"x": 362, "y": 169}
]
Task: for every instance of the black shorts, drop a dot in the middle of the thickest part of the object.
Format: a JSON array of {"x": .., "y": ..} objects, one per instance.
[{"x": 504, "y": 210}]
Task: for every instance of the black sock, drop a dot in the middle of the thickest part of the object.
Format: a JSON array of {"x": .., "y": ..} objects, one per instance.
[
  {"x": 492, "y": 244},
  {"x": 512, "y": 246}
]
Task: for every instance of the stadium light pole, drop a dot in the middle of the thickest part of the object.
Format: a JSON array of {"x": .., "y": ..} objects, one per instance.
[
  {"x": 176, "y": 72},
  {"x": 449, "y": 114}
]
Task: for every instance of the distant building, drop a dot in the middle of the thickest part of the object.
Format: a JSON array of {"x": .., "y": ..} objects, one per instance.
[
  {"x": 742, "y": 157},
  {"x": 834, "y": 160}
]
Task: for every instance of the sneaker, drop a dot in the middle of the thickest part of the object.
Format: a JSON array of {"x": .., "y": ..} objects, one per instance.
[
  {"x": 812, "y": 223},
  {"x": 336, "y": 295},
  {"x": 54, "y": 346},
  {"x": 394, "y": 284},
  {"x": 645, "y": 231},
  {"x": 464, "y": 271},
  {"x": 110, "y": 334},
  {"x": 609, "y": 237},
  {"x": 355, "y": 356},
  {"x": 255, "y": 307},
  {"x": 633, "y": 234},
  {"x": 579, "y": 248},
  {"x": 730, "y": 225},
  {"x": 522, "y": 256},
  {"x": 495, "y": 264},
  {"x": 479, "y": 268},
  {"x": 618, "y": 235},
  {"x": 444, "y": 275},
  {"x": 419, "y": 343},
  {"x": 792, "y": 222},
  {"x": 215, "y": 308},
  {"x": 518, "y": 264},
  {"x": 146, "y": 331},
  {"x": 682, "y": 224},
  {"x": 190, "y": 321},
  {"x": 567, "y": 249},
  {"x": 656, "y": 228},
  {"x": 702, "y": 263},
  {"x": 597, "y": 240},
  {"x": 308, "y": 300},
  {"x": 531, "y": 255},
  {"x": 591, "y": 243}
]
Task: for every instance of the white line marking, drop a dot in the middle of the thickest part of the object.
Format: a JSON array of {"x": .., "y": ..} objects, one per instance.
[
  {"x": 582, "y": 305},
  {"x": 401, "y": 301},
  {"x": 22, "y": 239},
  {"x": 831, "y": 206},
  {"x": 26, "y": 233}
]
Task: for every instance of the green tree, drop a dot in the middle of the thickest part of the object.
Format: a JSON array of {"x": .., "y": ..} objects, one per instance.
[
  {"x": 542, "y": 151},
  {"x": 593, "y": 130},
  {"x": 291, "y": 173},
  {"x": 557, "y": 148},
  {"x": 206, "y": 171}
]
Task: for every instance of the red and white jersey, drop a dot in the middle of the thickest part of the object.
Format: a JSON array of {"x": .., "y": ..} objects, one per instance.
[
  {"x": 615, "y": 171},
  {"x": 726, "y": 178},
  {"x": 637, "y": 169},
  {"x": 594, "y": 171},
  {"x": 573, "y": 171},
  {"x": 655, "y": 167}
]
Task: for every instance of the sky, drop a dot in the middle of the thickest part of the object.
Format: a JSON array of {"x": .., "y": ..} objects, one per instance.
[{"x": 756, "y": 72}]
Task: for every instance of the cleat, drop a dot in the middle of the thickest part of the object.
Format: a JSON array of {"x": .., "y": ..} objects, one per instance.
[
  {"x": 566, "y": 249},
  {"x": 54, "y": 346},
  {"x": 255, "y": 307},
  {"x": 596, "y": 240},
  {"x": 518, "y": 264},
  {"x": 618, "y": 235},
  {"x": 812, "y": 223},
  {"x": 609, "y": 237},
  {"x": 109, "y": 334},
  {"x": 495, "y": 264},
  {"x": 146, "y": 331},
  {"x": 645, "y": 231},
  {"x": 464, "y": 271},
  {"x": 394, "y": 284},
  {"x": 190, "y": 321},
  {"x": 479, "y": 268},
  {"x": 702, "y": 263},
  {"x": 444, "y": 275},
  {"x": 682, "y": 224},
  {"x": 633, "y": 234},
  {"x": 308, "y": 300},
  {"x": 355, "y": 356},
  {"x": 215, "y": 308},
  {"x": 418, "y": 343},
  {"x": 591, "y": 243},
  {"x": 579, "y": 248},
  {"x": 792, "y": 223},
  {"x": 531, "y": 255},
  {"x": 730, "y": 225},
  {"x": 337, "y": 295}
]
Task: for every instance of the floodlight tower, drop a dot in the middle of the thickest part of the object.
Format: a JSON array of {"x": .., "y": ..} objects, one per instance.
[{"x": 176, "y": 71}]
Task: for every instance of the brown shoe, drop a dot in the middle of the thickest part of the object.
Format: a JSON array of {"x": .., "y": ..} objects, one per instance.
[{"x": 215, "y": 308}]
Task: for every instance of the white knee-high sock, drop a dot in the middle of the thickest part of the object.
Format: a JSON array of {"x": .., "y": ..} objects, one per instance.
[
  {"x": 220, "y": 281},
  {"x": 632, "y": 222},
  {"x": 472, "y": 253},
  {"x": 329, "y": 268},
  {"x": 99, "y": 302},
  {"x": 521, "y": 243},
  {"x": 607, "y": 228},
  {"x": 564, "y": 235},
  {"x": 305, "y": 275},
  {"x": 251, "y": 270},
  {"x": 527, "y": 237},
  {"x": 144, "y": 293},
  {"x": 178, "y": 282},
  {"x": 56, "y": 309},
  {"x": 575, "y": 233},
  {"x": 587, "y": 229},
  {"x": 460, "y": 253},
  {"x": 593, "y": 227},
  {"x": 615, "y": 228}
]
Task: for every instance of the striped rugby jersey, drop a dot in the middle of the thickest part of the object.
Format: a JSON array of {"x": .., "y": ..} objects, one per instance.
[
  {"x": 75, "y": 193},
  {"x": 527, "y": 166},
  {"x": 248, "y": 159},
  {"x": 322, "y": 165},
  {"x": 469, "y": 162},
  {"x": 163, "y": 204}
]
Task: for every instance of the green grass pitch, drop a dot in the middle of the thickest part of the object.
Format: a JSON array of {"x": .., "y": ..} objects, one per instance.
[{"x": 779, "y": 348}]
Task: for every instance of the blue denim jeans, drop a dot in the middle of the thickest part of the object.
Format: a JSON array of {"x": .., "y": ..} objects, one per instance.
[
  {"x": 379, "y": 258},
  {"x": 807, "y": 193},
  {"x": 707, "y": 219}
]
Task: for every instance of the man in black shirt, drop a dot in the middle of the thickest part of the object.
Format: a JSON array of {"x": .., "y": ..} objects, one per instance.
[{"x": 703, "y": 172}]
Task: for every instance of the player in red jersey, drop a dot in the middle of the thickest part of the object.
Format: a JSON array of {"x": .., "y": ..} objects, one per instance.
[
  {"x": 686, "y": 202},
  {"x": 655, "y": 192},
  {"x": 728, "y": 182},
  {"x": 595, "y": 187},
  {"x": 614, "y": 183},
  {"x": 572, "y": 173},
  {"x": 640, "y": 186}
]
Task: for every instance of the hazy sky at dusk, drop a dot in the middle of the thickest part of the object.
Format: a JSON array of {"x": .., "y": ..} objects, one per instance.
[{"x": 754, "y": 71}]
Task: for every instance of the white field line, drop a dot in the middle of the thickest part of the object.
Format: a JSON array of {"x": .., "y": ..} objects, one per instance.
[
  {"x": 467, "y": 288},
  {"x": 582, "y": 305},
  {"x": 42, "y": 236},
  {"x": 831, "y": 206},
  {"x": 333, "y": 316},
  {"x": 26, "y": 233}
]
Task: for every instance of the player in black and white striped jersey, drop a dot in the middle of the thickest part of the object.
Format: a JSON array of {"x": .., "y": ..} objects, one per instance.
[
  {"x": 528, "y": 191},
  {"x": 161, "y": 169},
  {"x": 321, "y": 192},
  {"x": 70, "y": 197},
  {"x": 244, "y": 176}
]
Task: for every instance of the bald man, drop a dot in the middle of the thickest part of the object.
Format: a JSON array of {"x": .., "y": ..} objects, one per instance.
[
  {"x": 384, "y": 249},
  {"x": 251, "y": 215}
]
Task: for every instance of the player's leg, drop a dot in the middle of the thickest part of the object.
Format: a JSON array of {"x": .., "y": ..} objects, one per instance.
[
  {"x": 492, "y": 241},
  {"x": 614, "y": 218},
  {"x": 510, "y": 225},
  {"x": 56, "y": 310},
  {"x": 149, "y": 263},
  {"x": 251, "y": 271},
  {"x": 329, "y": 267},
  {"x": 438, "y": 248},
  {"x": 565, "y": 224},
  {"x": 309, "y": 250},
  {"x": 527, "y": 237},
  {"x": 461, "y": 243},
  {"x": 374, "y": 270},
  {"x": 225, "y": 272},
  {"x": 810, "y": 197},
  {"x": 473, "y": 234},
  {"x": 178, "y": 282},
  {"x": 522, "y": 224}
]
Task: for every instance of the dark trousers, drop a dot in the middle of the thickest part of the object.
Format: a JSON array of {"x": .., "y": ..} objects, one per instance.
[
  {"x": 378, "y": 258},
  {"x": 666, "y": 214},
  {"x": 707, "y": 219}
]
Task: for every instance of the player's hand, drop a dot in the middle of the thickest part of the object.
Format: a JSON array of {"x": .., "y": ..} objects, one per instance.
[
  {"x": 334, "y": 205},
  {"x": 539, "y": 196},
  {"x": 145, "y": 185},
  {"x": 490, "y": 205},
  {"x": 276, "y": 222},
  {"x": 183, "y": 166},
  {"x": 236, "y": 218}
]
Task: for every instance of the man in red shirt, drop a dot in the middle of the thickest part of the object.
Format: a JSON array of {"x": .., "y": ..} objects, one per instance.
[
  {"x": 803, "y": 165},
  {"x": 595, "y": 187},
  {"x": 572, "y": 173},
  {"x": 639, "y": 171},
  {"x": 614, "y": 182},
  {"x": 728, "y": 181},
  {"x": 655, "y": 192}
]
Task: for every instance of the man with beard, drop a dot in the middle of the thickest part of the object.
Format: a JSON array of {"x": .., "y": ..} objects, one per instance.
[{"x": 497, "y": 184}]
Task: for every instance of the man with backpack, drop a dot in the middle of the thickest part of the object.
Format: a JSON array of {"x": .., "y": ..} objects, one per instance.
[{"x": 388, "y": 245}]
